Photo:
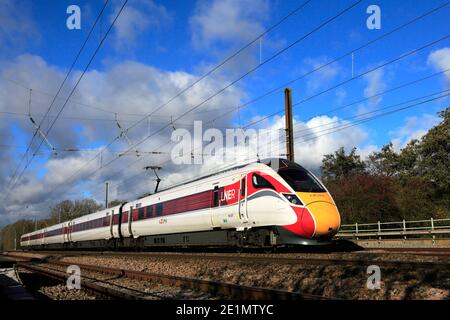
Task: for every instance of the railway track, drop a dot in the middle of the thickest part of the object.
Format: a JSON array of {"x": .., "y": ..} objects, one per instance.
[
  {"x": 130, "y": 267},
  {"x": 215, "y": 288},
  {"x": 434, "y": 252},
  {"x": 300, "y": 260},
  {"x": 98, "y": 286},
  {"x": 359, "y": 260}
]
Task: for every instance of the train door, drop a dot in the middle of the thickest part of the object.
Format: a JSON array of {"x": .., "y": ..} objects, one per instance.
[
  {"x": 66, "y": 232},
  {"x": 111, "y": 223},
  {"x": 215, "y": 205},
  {"x": 123, "y": 227},
  {"x": 69, "y": 231},
  {"x": 43, "y": 236},
  {"x": 243, "y": 200},
  {"x": 119, "y": 222},
  {"x": 130, "y": 219}
]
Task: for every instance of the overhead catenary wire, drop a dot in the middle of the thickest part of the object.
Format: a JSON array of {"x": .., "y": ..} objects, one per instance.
[
  {"x": 24, "y": 115},
  {"x": 352, "y": 124},
  {"x": 355, "y": 77},
  {"x": 355, "y": 123},
  {"x": 96, "y": 107},
  {"x": 76, "y": 85},
  {"x": 209, "y": 72},
  {"x": 281, "y": 87},
  {"x": 239, "y": 107},
  {"x": 334, "y": 60},
  {"x": 341, "y": 127},
  {"x": 340, "y": 57},
  {"x": 296, "y": 131},
  {"x": 311, "y": 130},
  {"x": 411, "y": 52},
  {"x": 352, "y": 79},
  {"x": 57, "y": 93},
  {"x": 396, "y": 29},
  {"x": 298, "y": 40},
  {"x": 366, "y": 99},
  {"x": 362, "y": 117}
]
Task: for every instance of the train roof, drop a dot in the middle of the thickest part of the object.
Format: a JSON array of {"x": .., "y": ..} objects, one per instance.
[{"x": 266, "y": 162}]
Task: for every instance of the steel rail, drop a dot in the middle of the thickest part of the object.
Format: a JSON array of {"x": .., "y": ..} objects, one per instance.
[
  {"x": 208, "y": 286},
  {"x": 296, "y": 260},
  {"x": 91, "y": 284},
  {"x": 248, "y": 258}
]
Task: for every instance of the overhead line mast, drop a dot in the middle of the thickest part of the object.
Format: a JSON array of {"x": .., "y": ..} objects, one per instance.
[{"x": 289, "y": 124}]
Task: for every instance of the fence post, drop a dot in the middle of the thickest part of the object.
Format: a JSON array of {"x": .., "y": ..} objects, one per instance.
[
  {"x": 432, "y": 229},
  {"x": 404, "y": 229},
  {"x": 356, "y": 227},
  {"x": 379, "y": 230}
]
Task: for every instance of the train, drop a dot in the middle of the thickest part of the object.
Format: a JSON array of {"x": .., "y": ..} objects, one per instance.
[{"x": 264, "y": 204}]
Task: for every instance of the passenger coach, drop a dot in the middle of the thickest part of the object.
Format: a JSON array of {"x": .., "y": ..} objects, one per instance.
[{"x": 272, "y": 203}]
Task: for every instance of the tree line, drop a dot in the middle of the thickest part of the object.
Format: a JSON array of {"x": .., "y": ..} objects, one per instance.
[
  {"x": 411, "y": 184},
  {"x": 61, "y": 212}
]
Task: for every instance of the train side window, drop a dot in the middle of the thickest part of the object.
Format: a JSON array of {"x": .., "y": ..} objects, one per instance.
[
  {"x": 149, "y": 211},
  {"x": 158, "y": 209},
  {"x": 261, "y": 182},
  {"x": 141, "y": 213},
  {"x": 216, "y": 196},
  {"x": 243, "y": 187}
]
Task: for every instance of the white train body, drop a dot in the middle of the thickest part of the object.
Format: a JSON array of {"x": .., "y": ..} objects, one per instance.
[{"x": 229, "y": 205}]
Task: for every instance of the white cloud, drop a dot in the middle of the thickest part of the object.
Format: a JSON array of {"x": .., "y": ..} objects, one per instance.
[
  {"x": 227, "y": 21},
  {"x": 322, "y": 77},
  {"x": 440, "y": 59},
  {"x": 136, "y": 88},
  {"x": 127, "y": 88},
  {"x": 17, "y": 27},
  {"x": 341, "y": 94},
  {"x": 136, "y": 18},
  {"x": 414, "y": 128},
  {"x": 314, "y": 138},
  {"x": 375, "y": 84}
]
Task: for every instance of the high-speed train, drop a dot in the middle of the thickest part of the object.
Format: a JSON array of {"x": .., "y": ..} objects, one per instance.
[{"x": 252, "y": 205}]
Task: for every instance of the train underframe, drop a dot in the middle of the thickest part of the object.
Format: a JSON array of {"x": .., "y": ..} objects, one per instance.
[{"x": 252, "y": 238}]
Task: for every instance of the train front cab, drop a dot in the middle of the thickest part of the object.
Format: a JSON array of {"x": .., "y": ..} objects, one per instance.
[{"x": 318, "y": 220}]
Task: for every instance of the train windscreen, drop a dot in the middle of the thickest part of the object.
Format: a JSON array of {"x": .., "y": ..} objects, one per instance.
[{"x": 301, "y": 180}]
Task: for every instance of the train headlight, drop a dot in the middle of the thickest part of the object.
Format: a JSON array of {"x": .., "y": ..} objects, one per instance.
[{"x": 292, "y": 198}]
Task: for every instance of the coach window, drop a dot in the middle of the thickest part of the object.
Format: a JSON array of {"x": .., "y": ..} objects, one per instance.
[
  {"x": 141, "y": 214},
  {"x": 149, "y": 211},
  {"x": 159, "y": 209},
  {"x": 261, "y": 182}
]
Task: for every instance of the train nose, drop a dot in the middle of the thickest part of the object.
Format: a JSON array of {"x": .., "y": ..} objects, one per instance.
[{"x": 326, "y": 217}]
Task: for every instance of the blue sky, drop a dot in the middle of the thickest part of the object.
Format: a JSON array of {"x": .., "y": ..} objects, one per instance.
[
  {"x": 168, "y": 45},
  {"x": 158, "y": 47}
]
